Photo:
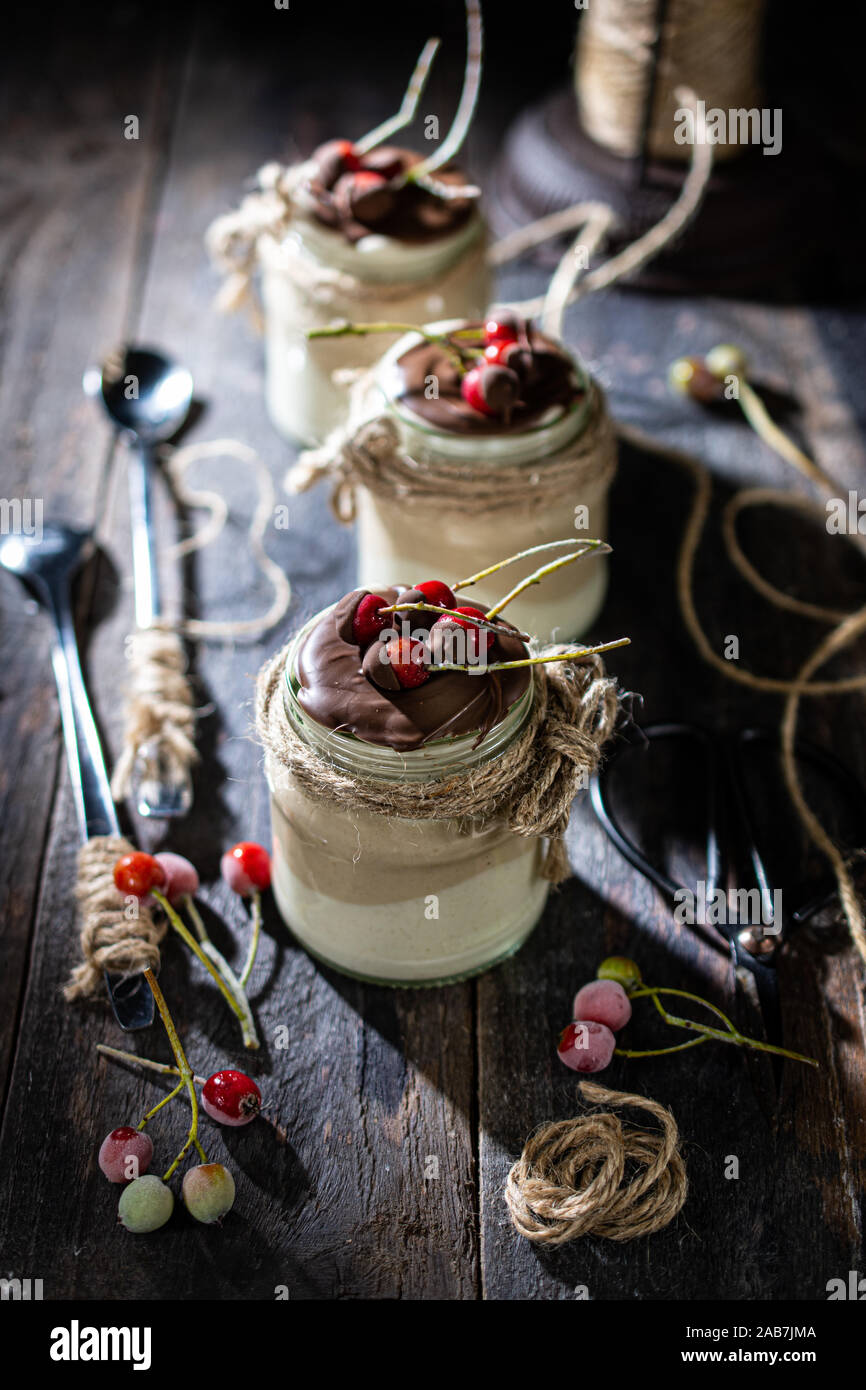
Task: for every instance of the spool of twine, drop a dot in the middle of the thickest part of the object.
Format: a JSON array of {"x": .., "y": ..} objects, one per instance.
[
  {"x": 594, "y": 1176},
  {"x": 624, "y": 62},
  {"x": 109, "y": 939},
  {"x": 371, "y": 455},
  {"x": 530, "y": 786}
]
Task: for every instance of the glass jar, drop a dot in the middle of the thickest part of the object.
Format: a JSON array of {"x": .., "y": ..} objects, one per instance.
[
  {"x": 394, "y": 900},
  {"x": 398, "y": 543},
  {"x": 314, "y": 275}
]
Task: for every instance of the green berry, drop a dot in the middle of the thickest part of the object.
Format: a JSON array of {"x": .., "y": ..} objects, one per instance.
[
  {"x": 621, "y": 969},
  {"x": 145, "y": 1205},
  {"x": 208, "y": 1192},
  {"x": 726, "y": 360}
]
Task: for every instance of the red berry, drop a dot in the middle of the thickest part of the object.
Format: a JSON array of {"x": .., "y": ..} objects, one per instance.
[
  {"x": 231, "y": 1097},
  {"x": 497, "y": 354},
  {"x": 474, "y": 635},
  {"x": 501, "y": 328},
  {"x": 125, "y": 1154},
  {"x": 136, "y": 873},
  {"x": 181, "y": 877},
  {"x": 407, "y": 661},
  {"x": 603, "y": 1001},
  {"x": 472, "y": 390},
  {"x": 369, "y": 621},
  {"x": 436, "y": 592},
  {"x": 246, "y": 868},
  {"x": 340, "y": 152},
  {"x": 586, "y": 1046}
]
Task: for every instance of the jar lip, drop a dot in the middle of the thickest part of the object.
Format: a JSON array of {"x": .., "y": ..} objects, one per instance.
[
  {"x": 385, "y": 258},
  {"x": 575, "y": 414},
  {"x": 429, "y": 762}
]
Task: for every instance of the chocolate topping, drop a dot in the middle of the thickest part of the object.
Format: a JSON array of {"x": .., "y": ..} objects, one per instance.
[
  {"x": 336, "y": 692},
  {"x": 335, "y": 198},
  {"x": 547, "y": 380}
]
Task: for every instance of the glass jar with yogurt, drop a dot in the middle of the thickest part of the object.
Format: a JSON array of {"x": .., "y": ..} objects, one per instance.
[
  {"x": 395, "y": 900},
  {"x": 408, "y": 536},
  {"x": 363, "y": 255}
]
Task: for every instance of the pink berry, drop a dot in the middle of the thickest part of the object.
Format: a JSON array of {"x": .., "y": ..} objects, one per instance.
[
  {"x": 181, "y": 877},
  {"x": 586, "y": 1046},
  {"x": 436, "y": 592},
  {"x": 125, "y": 1154},
  {"x": 369, "y": 621},
  {"x": 231, "y": 1097},
  {"x": 246, "y": 868},
  {"x": 603, "y": 1001}
]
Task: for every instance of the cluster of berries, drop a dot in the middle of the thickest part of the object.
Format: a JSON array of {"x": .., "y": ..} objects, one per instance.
[
  {"x": 357, "y": 185},
  {"x": 408, "y": 658},
  {"x": 171, "y": 881},
  {"x": 493, "y": 386},
  {"x": 601, "y": 1008},
  {"x": 207, "y": 1191}
]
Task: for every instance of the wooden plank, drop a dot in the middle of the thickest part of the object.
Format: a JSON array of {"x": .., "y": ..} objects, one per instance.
[{"x": 76, "y": 192}]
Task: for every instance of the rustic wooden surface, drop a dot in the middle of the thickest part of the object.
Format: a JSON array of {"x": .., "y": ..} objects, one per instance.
[{"x": 101, "y": 239}]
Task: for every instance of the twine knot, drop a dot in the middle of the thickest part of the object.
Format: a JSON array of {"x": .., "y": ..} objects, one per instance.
[
  {"x": 109, "y": 939},
  {"x": 592, "y": 1176}
]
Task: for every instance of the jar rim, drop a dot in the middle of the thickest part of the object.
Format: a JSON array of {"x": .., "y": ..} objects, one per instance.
[
  {"x": 431, "y": 762},
  {"x": 530, "y": 441}
]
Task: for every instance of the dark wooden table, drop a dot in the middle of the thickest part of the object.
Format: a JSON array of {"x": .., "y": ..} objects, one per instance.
[{"x": 101, "y": 240}]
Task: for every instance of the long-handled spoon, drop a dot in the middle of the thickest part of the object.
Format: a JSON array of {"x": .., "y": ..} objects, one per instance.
[
  {"x": 148, "y": 397},
  {"x": 46, "y": 567}
]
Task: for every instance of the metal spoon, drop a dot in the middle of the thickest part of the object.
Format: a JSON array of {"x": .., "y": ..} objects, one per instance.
[
  {"x": 46, "y": 565},
  {"x": 148, "y": 397}
]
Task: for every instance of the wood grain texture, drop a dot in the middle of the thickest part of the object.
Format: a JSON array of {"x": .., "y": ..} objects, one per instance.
[{"x": 402, "y": 1110}]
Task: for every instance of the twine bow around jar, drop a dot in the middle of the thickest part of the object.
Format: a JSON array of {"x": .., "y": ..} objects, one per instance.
[
  {"x": 529, "y": 787},
  {"x": 371, "y": 454}
]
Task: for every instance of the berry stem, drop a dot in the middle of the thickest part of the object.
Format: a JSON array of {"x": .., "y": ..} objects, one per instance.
[
  {"x": 165, "y": 1100},
  {"x": 162, "y": 1067},
  {"x": 534, "y": 660},
  {"x": 408, "y": 106},
  {"x": 731, "y": 1036},
  {"x": 443, "y": 612},
  {"x": 536, "y": 577},
  {"x": 184, "y": 1070},
  {"x": 344, "y": 328},
  {"x": 659, "y": 1051},
  {"x": 254, "y": 939},
  {"x": 248, "y": 1026},
  {"x": 468, "y": 96},
  {"x": 766, "y": 428},
  {"x": 228, "y": 985},
  {"x": 521, "y": 555}
]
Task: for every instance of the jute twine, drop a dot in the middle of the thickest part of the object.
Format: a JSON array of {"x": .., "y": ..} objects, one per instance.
[
  {"x": 372, "y": 455},
  {"x": 109, "y": 940},
  {"x": 710, "y": 45},
  {"x": 593, "y": 1176},
  {"x": 530, "y": 786},
  {"x": 846, "y": 628},
  {"x": 159, "y": 709}
]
